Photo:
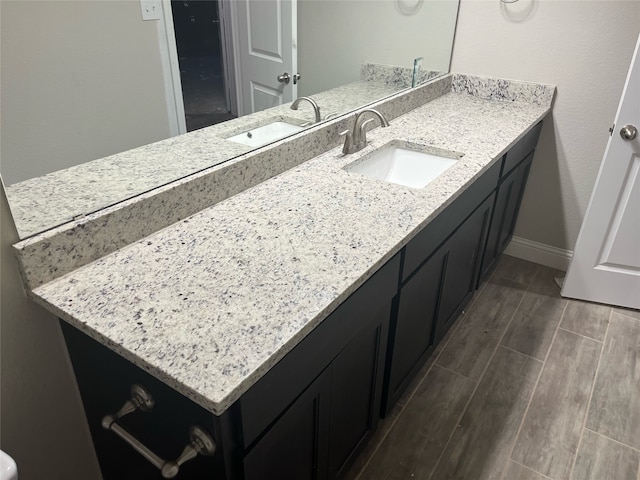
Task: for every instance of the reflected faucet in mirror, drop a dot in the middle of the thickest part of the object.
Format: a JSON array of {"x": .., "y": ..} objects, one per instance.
[{"x": 316, "y": 108}]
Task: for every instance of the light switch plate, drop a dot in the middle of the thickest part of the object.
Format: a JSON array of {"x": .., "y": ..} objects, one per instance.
[{"x": 151, "y": 9}]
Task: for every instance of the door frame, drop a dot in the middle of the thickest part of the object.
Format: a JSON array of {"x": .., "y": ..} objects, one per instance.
[
  {"x": 233, "y": 52},
  {"x": 228, "y": 21},
  {"x": 171, "y": 71}
]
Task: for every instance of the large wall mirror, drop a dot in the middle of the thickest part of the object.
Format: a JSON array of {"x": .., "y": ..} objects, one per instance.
[{"x": 83, "y": 81}]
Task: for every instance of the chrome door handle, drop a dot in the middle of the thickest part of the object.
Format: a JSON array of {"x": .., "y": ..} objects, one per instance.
[
  {"x": 628, "y": 132},
  {"x": 284, "y": 78}
]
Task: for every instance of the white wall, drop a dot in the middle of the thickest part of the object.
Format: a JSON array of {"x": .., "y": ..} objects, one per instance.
[
  {"x": 584, "y": 48},
  {"x": 335, "y": 37},
  {"x": 43, "y": 423},
  {"x": 80, "y": 80}
]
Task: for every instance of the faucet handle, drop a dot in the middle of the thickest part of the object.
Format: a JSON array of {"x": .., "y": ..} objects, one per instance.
[{"x": 348, "y": 141}]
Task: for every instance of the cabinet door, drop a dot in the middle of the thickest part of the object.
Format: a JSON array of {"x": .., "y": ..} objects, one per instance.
[
  {"x": 412, "y": 331},
  {"x": 282, "y": 384},
  {"x": 505, "y": 214},
  {"x": 462, "y": 265},
  {"x": 295, "y": 447},
  {"x": 316, "y": 434},
  {"x": 504, "y": 196},
  {"x": 431, "y": 299},
  {"x": 513, "y": 206},
  {"x": 356, "y": 390}
]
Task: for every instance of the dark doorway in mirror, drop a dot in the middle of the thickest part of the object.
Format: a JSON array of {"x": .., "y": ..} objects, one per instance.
[{"x": 197, "y": 30}]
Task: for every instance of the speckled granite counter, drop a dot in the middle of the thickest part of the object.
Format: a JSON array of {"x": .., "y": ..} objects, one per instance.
[{"x": 209, "y": 304}]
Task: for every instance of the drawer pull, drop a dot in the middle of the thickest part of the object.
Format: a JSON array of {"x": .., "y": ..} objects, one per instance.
[{"x": 200, "y": 442}]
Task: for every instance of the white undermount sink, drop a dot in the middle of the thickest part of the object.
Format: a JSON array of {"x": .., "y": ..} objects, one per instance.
[
  {"x": 257, "y": 137},
  {"x": 405, "y": 164}
]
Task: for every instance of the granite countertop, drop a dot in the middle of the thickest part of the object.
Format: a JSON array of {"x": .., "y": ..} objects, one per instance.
[{"x": 209, "y": 304}]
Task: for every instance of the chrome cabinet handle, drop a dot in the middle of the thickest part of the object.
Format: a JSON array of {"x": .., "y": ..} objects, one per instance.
[
  {"x": 628, "y": 132},
  {"x": 284, "y": 78},
  {"x": 200, "y": 442}
]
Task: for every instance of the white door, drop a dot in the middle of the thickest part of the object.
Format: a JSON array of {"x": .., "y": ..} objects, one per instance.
[
  {"x": 266, "y": 50},
  {"x": 605, "y": 266}
]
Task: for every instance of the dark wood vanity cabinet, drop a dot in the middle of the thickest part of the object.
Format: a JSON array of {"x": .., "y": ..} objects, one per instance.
[
  {"x": 307, "y": 418},
  {"x": 432, "y": 297},
  {"x": 445, "y": 263},
  {"x": 324, "y": 428},
  {"x": 311, "y": 414},
  {"x": 105, "y": 380}
]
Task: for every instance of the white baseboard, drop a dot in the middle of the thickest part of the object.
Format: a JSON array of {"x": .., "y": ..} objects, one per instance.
[{"x": 540, "y": 253}]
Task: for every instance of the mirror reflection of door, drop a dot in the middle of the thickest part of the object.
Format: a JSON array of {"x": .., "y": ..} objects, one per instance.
[
  {"x": 199, "y": 42},
  {"x": 265, "y": 49},
  {"x": 266, "y": 53}
]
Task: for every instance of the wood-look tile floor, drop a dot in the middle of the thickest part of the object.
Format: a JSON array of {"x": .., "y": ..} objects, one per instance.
[{"x": 527, "y": 385}]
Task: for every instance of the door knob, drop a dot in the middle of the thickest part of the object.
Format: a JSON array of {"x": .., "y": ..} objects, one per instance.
[
  {"x": 284, "y": 77},
  {"x": 628, "y": 132}
]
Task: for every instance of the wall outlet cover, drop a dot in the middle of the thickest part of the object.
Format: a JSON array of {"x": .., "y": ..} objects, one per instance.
[{"x": 151, "y": 9}]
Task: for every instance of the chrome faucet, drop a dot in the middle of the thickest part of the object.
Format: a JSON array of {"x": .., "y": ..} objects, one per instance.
[
  {"x": 316, "y": 108},
  {"x": 356, "y": 141}
]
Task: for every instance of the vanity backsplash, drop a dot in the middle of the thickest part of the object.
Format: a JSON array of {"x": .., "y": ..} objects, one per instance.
[{"x": 49, "y": 255}]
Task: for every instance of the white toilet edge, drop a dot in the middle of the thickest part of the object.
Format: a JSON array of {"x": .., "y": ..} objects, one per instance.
[{"x": 8, "y": 467}]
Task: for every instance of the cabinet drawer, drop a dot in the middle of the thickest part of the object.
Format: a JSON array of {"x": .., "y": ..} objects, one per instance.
[
  {"x": 521, "y": 149},
  {"x": 274, "y": 392},
  {"x": 440, "y": 228}
]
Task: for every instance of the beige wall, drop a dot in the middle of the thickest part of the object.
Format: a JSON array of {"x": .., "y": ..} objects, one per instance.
[
  {"x": 80, "y": 80},
  {"x": 42, "y": 421},
  {"x": 336, "y": 36},
  {"x": 583, "y": 47}
]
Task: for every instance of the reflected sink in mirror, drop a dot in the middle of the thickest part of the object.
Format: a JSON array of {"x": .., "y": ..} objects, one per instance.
[
  {"x": 271, "y": 132},
  {"x": 88, "y": 153},
  {"x": 408, "y": 164}
]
